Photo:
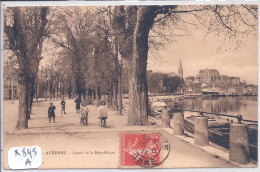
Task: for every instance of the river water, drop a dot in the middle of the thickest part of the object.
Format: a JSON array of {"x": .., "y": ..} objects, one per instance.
[{"x": 247, "y": 106}]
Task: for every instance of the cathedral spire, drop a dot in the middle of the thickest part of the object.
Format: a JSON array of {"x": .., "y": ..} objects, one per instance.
[{"x": 180, "y": 71}]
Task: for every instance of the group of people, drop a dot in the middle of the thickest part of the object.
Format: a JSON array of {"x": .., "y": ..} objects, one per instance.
[{"x": 84, "y": 111}]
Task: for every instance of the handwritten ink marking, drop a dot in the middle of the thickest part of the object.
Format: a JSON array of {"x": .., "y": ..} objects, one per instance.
[
  {"x": 28, "y": 162},
  {"x": 16, "y": 152},
  {"x": 35, "y": 152},
  {"x": 24, "y": 153},
  {"x": 24, "y": 157}
]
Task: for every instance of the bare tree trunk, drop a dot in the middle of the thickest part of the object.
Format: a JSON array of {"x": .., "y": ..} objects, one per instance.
[
  {"x": 53, "y": 93},
  {"x": 23, "y": 107},
  {"x": 112, "y": 95},
  {"x": 46, "y": 93},
  {"x": 30, "y": 96},
  {"x": 120, "y": 92},
  {"x": 60, "y": 90},
  {"x": 97, "y": 98},
  {"x": 138, "y": 94},
  {"x": 92, "y": 93},
  {"x": 84, "y": 92},
  {"x": 57, "y": 91},
  {"x": 98, "y": 91},
  {"x": 70, "y": 89},
  {"x": 63, "y": 89},
  {"x": 119, "y": 79},
  {"x": 115, "y": 94},
  {"x": 36, "y": 92},
  {"x": 50, "y": 90}
]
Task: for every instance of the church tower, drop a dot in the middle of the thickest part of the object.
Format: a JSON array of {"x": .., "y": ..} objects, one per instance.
[{"x": 180, "y": 71}]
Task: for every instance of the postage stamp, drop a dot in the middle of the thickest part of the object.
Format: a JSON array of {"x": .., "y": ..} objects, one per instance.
[{"x": 143, "y": 150}]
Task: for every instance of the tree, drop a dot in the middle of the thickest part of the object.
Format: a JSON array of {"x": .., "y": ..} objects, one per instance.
[
  {"x": 73, "y": 31},
  {"x": 107, "y": 57},
  {"x": 173, "y": 83},
  {"x": 155, "y": 81},
  {"x": 42, "y": 83},
  {"x": 132, "y": 25},
  {"x": 26, "y": 31},
  {"x": 136, "y": 22}
]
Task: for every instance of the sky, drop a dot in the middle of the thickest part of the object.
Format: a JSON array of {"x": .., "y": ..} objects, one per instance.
[{"x": 198, "y": 53}]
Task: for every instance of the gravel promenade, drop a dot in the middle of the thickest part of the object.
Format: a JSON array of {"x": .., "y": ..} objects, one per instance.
[{"x": 68, "y": 135}]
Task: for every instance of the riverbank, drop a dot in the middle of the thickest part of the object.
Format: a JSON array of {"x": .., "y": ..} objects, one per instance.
[
  {"x": 219, "y": 131},
  {"x": 247, "y": 106}
]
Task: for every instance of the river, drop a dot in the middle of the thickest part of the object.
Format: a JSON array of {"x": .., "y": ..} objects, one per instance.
[{"x": 247, "y": 106}]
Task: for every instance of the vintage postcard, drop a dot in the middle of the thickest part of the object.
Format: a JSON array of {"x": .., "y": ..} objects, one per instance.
[{"x": 130, "y": 86}]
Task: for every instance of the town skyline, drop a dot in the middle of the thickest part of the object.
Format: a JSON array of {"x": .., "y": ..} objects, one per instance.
[
  {"x": 235, "y": 56},
  {"x": 195, "y": 75}
]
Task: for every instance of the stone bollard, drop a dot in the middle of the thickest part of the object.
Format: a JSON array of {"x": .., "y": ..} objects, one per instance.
[
  {"x": 178, "y": 124},
  {"x": 201, "y": 135},
  {"x": 165, "y": 123},
  {"x": 239, "y": 143}
]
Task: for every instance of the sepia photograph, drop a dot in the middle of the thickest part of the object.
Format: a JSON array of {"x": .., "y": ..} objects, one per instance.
[{"x": 130, "y": 86}]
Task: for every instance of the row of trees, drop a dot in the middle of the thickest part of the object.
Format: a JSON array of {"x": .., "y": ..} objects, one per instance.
[
  {"x": 163, "y": 83},
  {"x": 99, "y": 43},
  {"x": 52, "y": 81},
  {"x": 56, "y": 80}
]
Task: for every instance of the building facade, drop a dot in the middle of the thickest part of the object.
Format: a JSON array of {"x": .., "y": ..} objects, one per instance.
[
  {"x": 8, "y": 88},
  {"x": 212, "y": 77},
  {"x": 208, "y": 76}
]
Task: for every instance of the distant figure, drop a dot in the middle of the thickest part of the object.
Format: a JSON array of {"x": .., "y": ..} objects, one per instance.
[
  {"x": 239, "y": 118},
  {"x": 201, "y": 112},
  {"x": 102, "y": 113},
  {"x": 51, "y": 112},
  {"x": 78, "y": 101},
  {"x": 175, "y": 108},
  {"x": 63, "y": 105},
  {"x": 84, "y": 114}
]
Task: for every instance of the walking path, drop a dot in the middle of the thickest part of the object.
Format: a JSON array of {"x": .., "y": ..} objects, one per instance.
[
  {"x": 67, "y": 134},
  {"x": 69, "y": 122}
]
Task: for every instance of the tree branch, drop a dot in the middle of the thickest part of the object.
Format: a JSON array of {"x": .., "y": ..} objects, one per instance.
[{"x": 221, "y": 20}]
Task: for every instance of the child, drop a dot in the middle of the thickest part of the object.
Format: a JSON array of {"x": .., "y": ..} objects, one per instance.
[
  {"x": 102, "y": 113},
  {"x": 63, "y": 105},
  {"x": 51, "y": 112},
  {"x": 84, "y": 114}
]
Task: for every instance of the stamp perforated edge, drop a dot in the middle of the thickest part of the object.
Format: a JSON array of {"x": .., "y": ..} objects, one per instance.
[{"x": 137, "y": 167}]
